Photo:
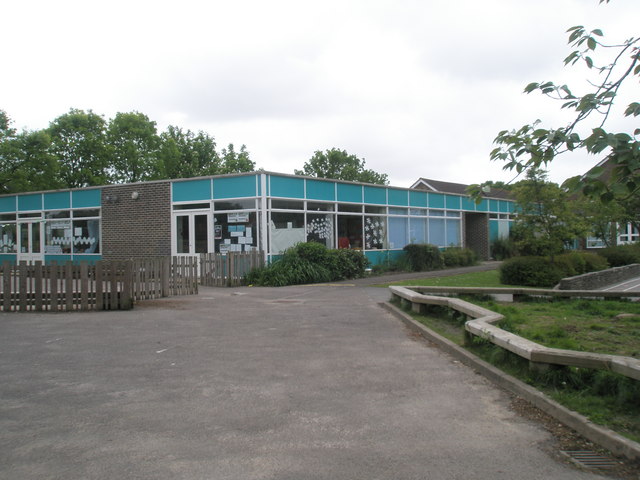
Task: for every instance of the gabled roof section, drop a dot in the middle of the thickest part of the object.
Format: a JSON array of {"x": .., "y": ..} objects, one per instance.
[{"x": 438, "y": 186}]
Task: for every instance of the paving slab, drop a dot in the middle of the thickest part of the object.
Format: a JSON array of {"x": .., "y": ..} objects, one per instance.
[{"x": 310, "y": 382}]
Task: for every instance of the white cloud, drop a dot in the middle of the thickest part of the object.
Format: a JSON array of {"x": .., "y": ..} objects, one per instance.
[{"x": 417, "y": 88}]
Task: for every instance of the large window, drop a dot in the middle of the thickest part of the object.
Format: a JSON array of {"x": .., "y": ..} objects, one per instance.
[
  {"x": 375, "y": 232},
  {"x": 286, "y": 229},
  {"x": 72, "y": 231},
  {"x": 398, "y": 232},
  {"x": 235, "y": 231},
  {"x": 320, "y": 228},
  {"x": 8, "y": 238},
  {"x": 418, "y": 230}
]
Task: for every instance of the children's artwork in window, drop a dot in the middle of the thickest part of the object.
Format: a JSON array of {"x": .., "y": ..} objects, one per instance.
[{"x": 375, "y": 232}]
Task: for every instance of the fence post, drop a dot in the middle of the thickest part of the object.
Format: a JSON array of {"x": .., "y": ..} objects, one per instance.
[
  {"x": 84, "y": 285},
  {"x": 37, "y": 288},
  {"x": 126, "y": 300},
  {"x": 7, "y": 273},
  {"x": 68, "y": 285},
  {"x": 99, "y": 285},
  {"x": 53, "y": 286}
]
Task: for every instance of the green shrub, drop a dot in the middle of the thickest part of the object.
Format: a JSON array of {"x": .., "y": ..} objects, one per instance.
[
  {"x": 309, "y": 263},
  {"x": 459, "y": 257},
  {"x": 594, "y": 262},
  {"x": 423, "y": 257},
  {"x": 503, "y": 248},
  {"x": 621, "y": 254},
  {"x": 530, "y": 272},
  {"x": 347, "y": 263}
]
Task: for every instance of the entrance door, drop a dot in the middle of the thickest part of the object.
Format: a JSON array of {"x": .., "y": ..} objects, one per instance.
[
  {"x": 191, "y": 233},
  {"x": 30, "y": 242}
]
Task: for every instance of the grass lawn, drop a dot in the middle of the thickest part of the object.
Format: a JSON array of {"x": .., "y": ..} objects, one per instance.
[
  {"x": 490, "y": 278},
  {"x": 588, "y": 325}
]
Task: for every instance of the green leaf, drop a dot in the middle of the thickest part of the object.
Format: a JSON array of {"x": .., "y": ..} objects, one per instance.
[
  {"x": 597, "y": 32},
  {"x": 531, "y": 87},
  {"x": 589, "y": 62},
  {"x": 591, "y": 43}
]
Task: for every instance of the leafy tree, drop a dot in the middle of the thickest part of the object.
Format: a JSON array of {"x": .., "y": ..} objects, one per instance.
[
  {"x": 133, "y": 144},
  {"x": 78, "y": 141},
  {"x": 546, "y": 223},
  {"x": 340, "y": 165},
  {"x": 535, "y": 146},
  {"x": 35, "y": 168},
  {"x": 236, "y": 162},
  {"x": 185, "y": 154}
]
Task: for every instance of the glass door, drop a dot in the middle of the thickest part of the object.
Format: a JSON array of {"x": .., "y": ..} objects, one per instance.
[
  {"x": 30, "y": 242},
  {"x": 191, "y": 233}
]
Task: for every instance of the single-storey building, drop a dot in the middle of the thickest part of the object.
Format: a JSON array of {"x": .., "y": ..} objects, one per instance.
[{"x": 262, "y": 211}]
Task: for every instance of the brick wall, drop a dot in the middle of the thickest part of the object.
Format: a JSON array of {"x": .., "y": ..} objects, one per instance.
[
  {"x": 476, "y": 233},
  {"x": 136, "y": 227}
]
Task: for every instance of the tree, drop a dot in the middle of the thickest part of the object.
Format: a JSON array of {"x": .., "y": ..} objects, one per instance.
[
  {"x": 535, "y": 146},
  {"x": 133, "y": 144},
  {"x": 185, "y": 154},
  {"x": 34, "y": 167},
  {"x": 78, "y": 141},
  {"x": 546, "y": 222},
  {"x": 340, "y": 165},
  {"x": 236, "y": 162}
]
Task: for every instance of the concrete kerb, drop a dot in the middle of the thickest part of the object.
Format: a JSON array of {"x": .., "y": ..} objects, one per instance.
[{"x": 602, "y": 436}]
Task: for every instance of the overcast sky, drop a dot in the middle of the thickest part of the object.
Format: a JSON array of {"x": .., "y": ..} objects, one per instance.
[{"x": 418, "y": 88}]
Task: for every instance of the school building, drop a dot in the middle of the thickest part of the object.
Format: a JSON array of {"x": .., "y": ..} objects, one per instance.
[{"x": 262, "y": 211}]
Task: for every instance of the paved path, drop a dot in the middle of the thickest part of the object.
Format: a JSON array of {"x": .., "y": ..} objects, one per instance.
[{"x": 313, "y": 382}]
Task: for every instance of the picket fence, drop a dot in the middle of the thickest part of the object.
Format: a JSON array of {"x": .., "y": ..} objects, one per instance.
[
  {"x": 228, "y": 270},
  {"x": 116, "y": 285},
  {"x": 106, "y": 285}
]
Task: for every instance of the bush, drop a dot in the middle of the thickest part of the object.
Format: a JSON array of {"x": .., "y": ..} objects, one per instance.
[
  {"x": 621, "y": 255},
  {"x": 530, "y": 272},
  {"x": 577, "y": 263},
  {"x": 423, "y": 257},
  {"x": 459, "y": 257},
  {"x": 348, "y": 264},
  {"x": 309, "y": 262},
  {"x": 503, "y": 248}
]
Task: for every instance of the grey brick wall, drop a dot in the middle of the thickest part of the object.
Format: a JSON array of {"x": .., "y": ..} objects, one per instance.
[
  {"x": 476, "y": 233},
  {"x": 136, "y": 227}
]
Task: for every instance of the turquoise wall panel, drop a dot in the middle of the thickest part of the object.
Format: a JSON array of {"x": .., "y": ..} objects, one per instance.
[
  {"x": 317, "y": 190},
  {"x": 494, "y": 205},
  {"x": 468, "y": 204},
  {"x": 483, "y": 206},
  {"x": 8, "y": 204},
  {"x": 90, "y": 259},
  {"x": 378, "y": 257},
  {"x": 57, "y": 200},
  {"x": 233, "y": 187},
  {"x": 85, "y": 198},
  {"x": 289, "y": 187},
  {"x": 191, "y": 190},
  {"x": 8, "y": 257},
  {"x": 349, "y": 193},
  {"x": 59, "y": 259},
  {"x": 436, "y": 200},
  {"x": 504, "y": 206},
  {"x": 30, "y": 202},
  {"x": 452, "y": 202},
  {"x": 376, "y": 195},
  {"x": 417, "y": 199},
  {"x": 398, "y": 197}
]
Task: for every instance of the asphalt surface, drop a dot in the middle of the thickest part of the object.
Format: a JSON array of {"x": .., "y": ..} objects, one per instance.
[{"x": 311, "y": 382}]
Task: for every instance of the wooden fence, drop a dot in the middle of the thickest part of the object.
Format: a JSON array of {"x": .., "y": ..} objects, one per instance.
[
  {"x": 107, "y": 285},
  {"x": 217, "y": 270}
]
